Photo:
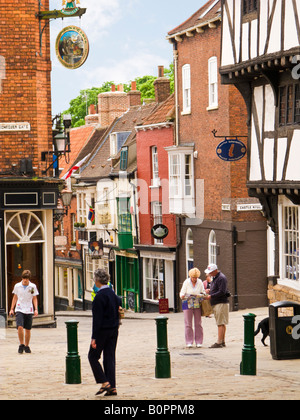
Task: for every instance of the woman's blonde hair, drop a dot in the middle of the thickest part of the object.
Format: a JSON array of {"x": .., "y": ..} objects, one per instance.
[{"x": 194, "y": 272}]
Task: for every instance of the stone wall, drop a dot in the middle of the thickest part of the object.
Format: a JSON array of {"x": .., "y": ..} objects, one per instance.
[{"x": 279, "y": 293}]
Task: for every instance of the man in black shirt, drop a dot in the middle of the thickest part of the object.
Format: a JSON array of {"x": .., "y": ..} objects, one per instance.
[
  {"x": 106, "y": 307},
  {"x": 218, "y": 296}
]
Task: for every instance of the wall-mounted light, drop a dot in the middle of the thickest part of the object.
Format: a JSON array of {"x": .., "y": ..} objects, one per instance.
[
  {"x": 61, "y": 143},
  {"x": 64, "y": 202}
]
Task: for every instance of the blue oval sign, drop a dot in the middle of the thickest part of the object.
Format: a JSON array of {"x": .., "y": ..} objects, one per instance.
[{"x": 231, "y": 150}]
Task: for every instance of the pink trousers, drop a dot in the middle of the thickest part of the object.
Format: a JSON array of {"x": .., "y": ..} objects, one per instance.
[{"x": 188, "y": 323}]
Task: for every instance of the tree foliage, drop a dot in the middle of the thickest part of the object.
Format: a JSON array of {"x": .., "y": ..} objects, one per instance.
[{"x": 79, "y": 106}]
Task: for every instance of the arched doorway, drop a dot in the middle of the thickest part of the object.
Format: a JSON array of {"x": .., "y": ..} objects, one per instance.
[{"x": 25, "y": 236}]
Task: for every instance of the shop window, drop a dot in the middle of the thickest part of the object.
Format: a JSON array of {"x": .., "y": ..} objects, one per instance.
[
  {"x": 154, "y": 279},
  {"x": 291, "y": 243}
]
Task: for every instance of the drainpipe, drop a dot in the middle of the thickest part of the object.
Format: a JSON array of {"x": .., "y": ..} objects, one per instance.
[
  {"x": 235, "y": 297},
  {"x": 141, "y": 304},
  {"x": 175, "y": 55},
  {"x": 176, "y": 265}
]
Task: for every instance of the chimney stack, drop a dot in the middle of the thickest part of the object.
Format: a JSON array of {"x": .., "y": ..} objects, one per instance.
[
  {"x": 161, "y": 86},
  {"x": 134, "y": 96}
]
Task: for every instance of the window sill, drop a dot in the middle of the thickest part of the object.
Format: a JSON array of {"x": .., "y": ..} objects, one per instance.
[
  {"x": 293, "y": 284},
  {"x": 212, "y": 108},
  {"x": 187, "y": 112}
]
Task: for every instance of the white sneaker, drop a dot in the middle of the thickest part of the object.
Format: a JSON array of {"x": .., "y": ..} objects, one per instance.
[
  {"x": 199, "y": 346},
  {"x": 189, "y": 346}
]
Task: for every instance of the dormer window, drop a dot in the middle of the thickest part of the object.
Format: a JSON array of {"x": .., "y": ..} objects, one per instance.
[
  {"x": 116, "y": 142},
  {"x": 249, "y": 6}
]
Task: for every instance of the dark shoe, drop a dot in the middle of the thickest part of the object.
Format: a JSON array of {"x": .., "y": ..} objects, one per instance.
[
  {"x": 223, "y": 344},
  {"x": 103, "y": 389},
  {"x": 111, "y": 392},
  {"x": 216, "y": 346},
  {"x": 27, "y": 349},
  {"x": 21, "y": 348}
]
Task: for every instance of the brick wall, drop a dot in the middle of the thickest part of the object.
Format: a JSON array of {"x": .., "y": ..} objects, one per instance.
[
  {"x": 26, "y": 90},
  {"x": 224, "y": 182},
  {"x": 145, "y": 140}
]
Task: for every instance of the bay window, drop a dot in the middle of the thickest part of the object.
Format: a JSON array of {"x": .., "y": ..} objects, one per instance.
[{"x": 181, "y": 180}]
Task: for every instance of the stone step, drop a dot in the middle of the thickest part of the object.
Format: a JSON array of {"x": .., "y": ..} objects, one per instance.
[{"x": 40, "y": 321}]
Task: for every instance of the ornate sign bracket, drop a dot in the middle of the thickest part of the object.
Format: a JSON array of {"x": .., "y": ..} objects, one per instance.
[{"x": 69, "y": 11}]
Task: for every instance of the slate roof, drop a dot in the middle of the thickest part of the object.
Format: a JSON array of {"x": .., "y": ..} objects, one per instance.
[
  {"x": 98, "y": 165},
  {"x": 165, "y": 112},
  {"x": 209, "y": 12}
]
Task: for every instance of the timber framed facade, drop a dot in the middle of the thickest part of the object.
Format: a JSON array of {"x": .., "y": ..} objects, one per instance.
[{"x": 261, "y": 59}]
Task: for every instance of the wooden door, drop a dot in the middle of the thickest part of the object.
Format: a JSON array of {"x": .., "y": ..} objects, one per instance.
[{"x": 22, "y": 257}]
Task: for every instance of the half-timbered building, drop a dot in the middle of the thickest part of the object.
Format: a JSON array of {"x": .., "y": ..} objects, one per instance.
[{"x": 260, "y": 56}]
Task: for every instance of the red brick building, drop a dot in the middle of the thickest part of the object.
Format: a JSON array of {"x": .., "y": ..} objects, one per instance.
[
  {"x": 28, "y": 195},
  {"x": 158, "y": 256},
  {"x": 219, "y": 222}
]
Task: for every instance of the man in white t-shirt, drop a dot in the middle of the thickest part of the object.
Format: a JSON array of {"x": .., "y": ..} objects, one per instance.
[{"x": 24, "y": 300}]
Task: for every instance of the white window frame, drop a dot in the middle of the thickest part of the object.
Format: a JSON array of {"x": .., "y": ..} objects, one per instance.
[
  {"x": 155, "y": 171},
  {"x": 113, "y": 144},
  {"x": 150, "y": 280},
  {"x": 156, "y": 210},
  {"x": 289, "y": 216},
  {"x": 213, "y": 100},
  {"x": 186, "y": 89},
  {"x": 212, "y": 248},
  {"x": 181, "y": 180},
  {"x": 81, "y": 208},
  {"x": 175, "y": 174},
  {"x": 189, "y": 244}
]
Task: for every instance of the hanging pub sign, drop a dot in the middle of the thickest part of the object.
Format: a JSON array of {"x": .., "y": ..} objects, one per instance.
[
  {"x": 70, "y": 7},
  {"x": 72, "y": 47},
  {"x": 159, "y": 231},
  {"x": 231, "y": 150}
]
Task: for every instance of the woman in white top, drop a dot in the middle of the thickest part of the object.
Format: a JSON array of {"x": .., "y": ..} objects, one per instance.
[{"x": 192, "y": 292}]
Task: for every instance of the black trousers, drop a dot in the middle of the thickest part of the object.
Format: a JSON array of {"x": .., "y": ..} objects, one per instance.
[{"x": 106, "y": 342}]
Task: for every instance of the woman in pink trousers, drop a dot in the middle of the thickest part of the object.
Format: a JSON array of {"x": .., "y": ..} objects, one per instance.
[{"x": 192, "y": 292}]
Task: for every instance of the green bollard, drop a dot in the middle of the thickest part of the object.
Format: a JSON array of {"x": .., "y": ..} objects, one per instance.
[
  {"x": 163, "y": 362},
  {"x": 73, "y": 371},
  {"x": 248, "y": 364}
]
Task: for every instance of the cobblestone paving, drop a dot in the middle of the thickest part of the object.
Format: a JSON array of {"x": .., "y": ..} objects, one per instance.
[{"x": 197, "y": 374}]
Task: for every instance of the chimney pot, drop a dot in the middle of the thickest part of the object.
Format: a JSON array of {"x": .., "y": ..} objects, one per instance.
[
  {"x": 161, "y": 71},
  {"x": 113, "y": 88},
  {"x": 133, "y": 85}
]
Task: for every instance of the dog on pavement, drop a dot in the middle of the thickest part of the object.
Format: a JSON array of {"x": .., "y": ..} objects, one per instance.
[{"x": 264, "y": 327}]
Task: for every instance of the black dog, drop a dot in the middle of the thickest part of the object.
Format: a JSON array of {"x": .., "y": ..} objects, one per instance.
[{"x": 264, "y": 327}]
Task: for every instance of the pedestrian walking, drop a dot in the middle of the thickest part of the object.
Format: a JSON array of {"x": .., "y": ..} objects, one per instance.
[
  {"x": 24, "y": 300},
  {"x": 106, "y": 307},
  {"x": 192, "y": 292},
  {"x": 218, "y": 295}
]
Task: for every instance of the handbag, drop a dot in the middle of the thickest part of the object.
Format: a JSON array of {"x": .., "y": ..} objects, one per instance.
[{"x": 206, "y": 308}]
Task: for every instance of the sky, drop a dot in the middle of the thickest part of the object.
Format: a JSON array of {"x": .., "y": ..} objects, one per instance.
[{"x": 127, "y": 39}]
